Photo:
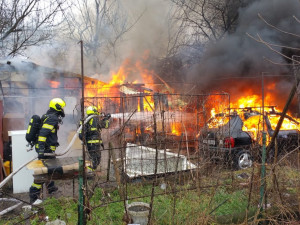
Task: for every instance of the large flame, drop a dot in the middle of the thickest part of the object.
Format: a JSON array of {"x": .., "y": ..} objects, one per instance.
[
  {"x": 253, "y": 123},
  {"x": 286, "y": 124},
  {"x": 176, "y": 128},
  {"x": 217, "y": 120},
  {"x": 133, "y": 76},
  {"x": 99, "y": 88}
]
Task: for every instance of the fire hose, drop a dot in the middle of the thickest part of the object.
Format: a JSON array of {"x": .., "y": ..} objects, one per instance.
[
  {"x": 49, "y": 154},
  {"x": 11, "y": 207}
]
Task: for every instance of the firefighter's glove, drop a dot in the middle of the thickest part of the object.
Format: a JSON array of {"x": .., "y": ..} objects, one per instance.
[
  {"x": 41, "y": 154},
  {"x": 32, "y": 144},
  {"x": 57, "y": 144},
  {"x": 107, "y": 116}
]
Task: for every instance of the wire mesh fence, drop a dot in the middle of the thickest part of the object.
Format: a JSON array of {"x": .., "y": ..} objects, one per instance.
[
  {"x": 173, "y": 156},
  {"x": 157, "y": 148},
  {"x": 156, "y": 122}
]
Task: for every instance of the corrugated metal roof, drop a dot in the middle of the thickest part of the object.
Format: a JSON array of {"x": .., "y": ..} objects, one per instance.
[{"x": 129, "y": 91}]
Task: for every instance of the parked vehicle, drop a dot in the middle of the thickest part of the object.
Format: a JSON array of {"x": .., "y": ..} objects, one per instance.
[{"x": 233, "y": 143}]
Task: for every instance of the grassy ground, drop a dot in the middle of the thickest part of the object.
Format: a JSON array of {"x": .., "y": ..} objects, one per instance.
[
  {"x": 221, "y": 197},
  {"x": 191, "y": 206}
]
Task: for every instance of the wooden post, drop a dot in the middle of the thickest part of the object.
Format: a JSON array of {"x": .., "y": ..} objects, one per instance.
[
  {"x": 1, "y": 140},
  {"x": 108, "y": 163},
  {"x": 155, "y": 169}
]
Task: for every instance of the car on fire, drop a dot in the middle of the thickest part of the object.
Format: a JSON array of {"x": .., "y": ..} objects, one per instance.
[{"x": 236, "y": 138}]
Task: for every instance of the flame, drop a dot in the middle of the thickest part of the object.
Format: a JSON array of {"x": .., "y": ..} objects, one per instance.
[
  {"x": 253, "y": 121},
  {"x": 252, "y": 125},
  {"x": 176, "y": 128},
  {"x": 213, "y": 112},
  {"x": 132, "y": 74},
  {"x": 217, "y": 120},
  {"x": 99, "y": 88},
  {"x": 247, "y": 101},
  {"x": 148, "y": 103},
  {"x": 286, "y": 124},
  {"x": 129, "y": 74},
  {"x": 54, "y": 84}
]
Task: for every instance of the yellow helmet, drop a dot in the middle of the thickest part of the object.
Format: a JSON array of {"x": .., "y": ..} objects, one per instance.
[
  {"x": 58, "y": 104},
  {"x": 91, "y": 110}
]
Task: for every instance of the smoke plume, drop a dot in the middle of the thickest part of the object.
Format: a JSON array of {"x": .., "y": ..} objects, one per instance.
[{"x": 240, "y": 55}]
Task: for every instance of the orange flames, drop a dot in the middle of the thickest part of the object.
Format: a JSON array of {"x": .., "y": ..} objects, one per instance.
[
  {"x": 253, "y": 124},
  {"x": 148, "y": 104},
  {"x": 286, "y": 124},
  {"x": 125, "y": 80},
  {"x": 176, "y": 128},
  {"x": 217, "y": 120},
  {"x": 54, "y": 84},
  {"x": 99, "y": 88}
]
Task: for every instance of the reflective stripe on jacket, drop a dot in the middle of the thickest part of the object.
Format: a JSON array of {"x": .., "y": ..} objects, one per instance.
[
  {"x": 92, "y": 130},
  {"x": 48, "y": 134}
]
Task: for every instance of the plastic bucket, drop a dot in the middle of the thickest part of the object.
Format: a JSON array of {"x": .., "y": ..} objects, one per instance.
[{"x": 139, "y": 212}]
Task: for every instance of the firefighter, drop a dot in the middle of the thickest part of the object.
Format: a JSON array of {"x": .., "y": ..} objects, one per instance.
[
  {"x": 47, "y": 143},
  {"x": 92, "y": 131}
]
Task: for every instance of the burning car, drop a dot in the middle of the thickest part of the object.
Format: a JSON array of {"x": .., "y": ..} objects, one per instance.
[
  {"x": 235, "y": 138},
  {"x": 288, "y": 135},
  {"x": 227, "y": 141}
]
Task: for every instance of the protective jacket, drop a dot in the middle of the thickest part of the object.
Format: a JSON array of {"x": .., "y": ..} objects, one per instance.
[
  {"x": 47, "y": 140},
  {"x": 92, "y": 133},
  {"x": 93, "y": 129}
]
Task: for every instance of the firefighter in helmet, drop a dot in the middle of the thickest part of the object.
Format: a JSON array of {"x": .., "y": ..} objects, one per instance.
[
  {"x": 92, "y": 133},
  {"x": 47, "y": 143}
]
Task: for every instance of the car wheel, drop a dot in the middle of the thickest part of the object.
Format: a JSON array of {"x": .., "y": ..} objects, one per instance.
[{"x": 243, "y": 160}]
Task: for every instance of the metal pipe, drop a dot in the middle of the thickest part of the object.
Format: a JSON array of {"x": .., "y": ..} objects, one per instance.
[
  {"x": 263, "y": 171},
  {"x": 18, "y": 203},
  {"x": 263, "y": 101},
  {"x": 81, "y": 197},
  {"x": 14, "y": 172},
  {"x": 82, "y": 119}
]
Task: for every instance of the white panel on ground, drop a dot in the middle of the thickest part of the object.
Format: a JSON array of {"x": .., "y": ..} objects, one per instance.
[
  {"x": 24, "y": 178},
  {"x": 140, "y": 161}
]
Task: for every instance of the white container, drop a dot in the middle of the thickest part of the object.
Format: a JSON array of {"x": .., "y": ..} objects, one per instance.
[
  {"x": 139, "y": 212},
  {"x": 24, "y": 178}
]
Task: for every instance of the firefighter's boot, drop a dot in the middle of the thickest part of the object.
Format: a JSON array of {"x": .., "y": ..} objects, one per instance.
[
  {"x": 52, "y": 188},
  {"x": 34, "y": 192}
]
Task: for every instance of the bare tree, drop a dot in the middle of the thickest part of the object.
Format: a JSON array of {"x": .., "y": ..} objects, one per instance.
[
  {"x": 202, "y": 21},
  {"x": 196, "y": 23},
  {"x": 25, "y": 23},
  {"x": 287, "y": 52},
  {"x": 100, "y": 25}
]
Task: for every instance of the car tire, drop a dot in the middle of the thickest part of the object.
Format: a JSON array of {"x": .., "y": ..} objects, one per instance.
[{"x": 243, "y": 160}]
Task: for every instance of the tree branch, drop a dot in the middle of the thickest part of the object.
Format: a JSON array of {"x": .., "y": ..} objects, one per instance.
[{"x": 276, "y": 28}]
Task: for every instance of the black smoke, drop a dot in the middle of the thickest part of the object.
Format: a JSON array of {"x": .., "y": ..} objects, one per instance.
[{"x": 240, "y": 55}]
